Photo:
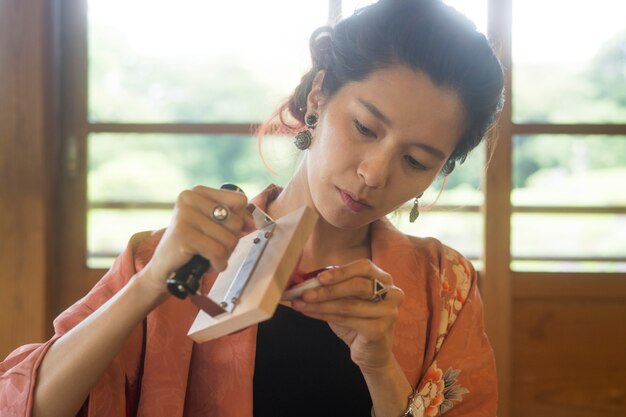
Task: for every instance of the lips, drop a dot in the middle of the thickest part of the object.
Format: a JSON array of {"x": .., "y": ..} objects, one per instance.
[{"x": 353, "y": 202}]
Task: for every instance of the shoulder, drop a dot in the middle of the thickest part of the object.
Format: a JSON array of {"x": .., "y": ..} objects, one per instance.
[
  {"x": 452, "y": 282},
  {"x": 425, "y": 269},
  {"x": 451, "y": 279},
  {"x": 425, "y": 258},
  {"x": 454, "y": 273},
  {"x": 441, "y": 256}
]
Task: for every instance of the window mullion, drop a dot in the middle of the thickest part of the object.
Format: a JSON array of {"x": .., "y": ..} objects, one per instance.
[{"x": 496, "y": 286}]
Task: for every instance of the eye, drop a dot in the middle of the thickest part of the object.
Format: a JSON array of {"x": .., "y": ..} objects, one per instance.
[
  {"x": 363, "y": 130},
  {"x": 414, "y": 163}
]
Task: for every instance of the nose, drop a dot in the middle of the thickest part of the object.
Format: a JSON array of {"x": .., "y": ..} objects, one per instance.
[{"x": 375, "y": 169}]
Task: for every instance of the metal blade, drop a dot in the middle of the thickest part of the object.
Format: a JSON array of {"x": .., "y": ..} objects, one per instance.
[
  {"x": 261, "y": 218},
  {"x": 207, "y": 305}
]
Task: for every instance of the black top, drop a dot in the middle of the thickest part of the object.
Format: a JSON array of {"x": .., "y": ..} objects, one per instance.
[{"x": 303, "y": 369}]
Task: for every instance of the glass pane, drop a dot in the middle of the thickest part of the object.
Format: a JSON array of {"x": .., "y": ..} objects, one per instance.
[
  {"x": 463, "y": 187},
  {"x": 540, "y": 236},
  {"x": 461, "y": 231},
  {"x": 568, "y": 266},
  {"x": 144, "y": 168},
  {"x": 569, "y": 170},
  {"x": 568, "y": 61},
  {"x": 440, "y": 215},
  {"x": 476, "y": 10},
  {"x": 157, "y": 167},
  {"x": 196, "y": 60},
  {"x": 109, "y": 230}
]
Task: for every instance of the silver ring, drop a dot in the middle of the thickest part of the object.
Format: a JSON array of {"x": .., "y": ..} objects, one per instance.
[
  {"x": 379, "y": 291},
  {"x": 220, "y": 213}
]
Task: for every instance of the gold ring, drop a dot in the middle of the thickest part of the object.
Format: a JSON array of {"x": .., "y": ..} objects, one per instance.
[{"x": 220, "y": 213}]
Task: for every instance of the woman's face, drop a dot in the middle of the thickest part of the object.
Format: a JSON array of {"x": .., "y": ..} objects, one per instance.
[{"x": 379, "y": 143}]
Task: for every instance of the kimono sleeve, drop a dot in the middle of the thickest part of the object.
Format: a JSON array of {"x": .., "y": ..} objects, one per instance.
[
  {"x": 461, "y": 378},
  {"x": 18, "y": 372}
]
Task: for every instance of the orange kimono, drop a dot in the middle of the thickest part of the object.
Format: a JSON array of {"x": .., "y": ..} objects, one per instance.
[{"x": 439, "y": 341}]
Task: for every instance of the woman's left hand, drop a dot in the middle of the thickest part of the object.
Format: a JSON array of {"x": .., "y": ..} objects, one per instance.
[{"x": 345, "y": 301}]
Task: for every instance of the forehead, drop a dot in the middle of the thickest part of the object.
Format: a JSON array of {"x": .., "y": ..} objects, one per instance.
[{"x": 415, "y": 107}]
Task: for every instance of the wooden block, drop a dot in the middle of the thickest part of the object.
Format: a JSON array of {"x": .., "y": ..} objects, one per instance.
[{"x": 267, "y": 283}]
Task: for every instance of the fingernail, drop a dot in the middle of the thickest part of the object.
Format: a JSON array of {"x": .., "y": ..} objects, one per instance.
[{"x": 325, "y": 277}]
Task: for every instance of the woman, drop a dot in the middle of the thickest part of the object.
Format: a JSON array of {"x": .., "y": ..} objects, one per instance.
[{"x": 397, "y": 94}]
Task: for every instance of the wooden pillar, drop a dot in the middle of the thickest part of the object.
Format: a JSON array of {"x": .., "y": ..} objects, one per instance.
[
  {"x": 26, "y": 163},
  {"x": 496, "y": 287}
]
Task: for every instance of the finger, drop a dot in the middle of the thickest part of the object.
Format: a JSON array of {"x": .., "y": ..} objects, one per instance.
[
  {"x": 357, "y": 287},
  {"x": 235, "y": 200},
  {"x": 349, "y": 307},
  {"x": 209, "y": 248},
  {"x": 217, "y": 231},
  {"x": 190, "y": 233},
  {"x": 359, "y": 268},
  {"x": 248, "y": 223},
  {"x": 190, "y": 202},
  {"x": 370, "y": 329}
]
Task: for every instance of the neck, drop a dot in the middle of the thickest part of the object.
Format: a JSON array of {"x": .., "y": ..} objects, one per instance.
[{"x": 327, "y": 244}]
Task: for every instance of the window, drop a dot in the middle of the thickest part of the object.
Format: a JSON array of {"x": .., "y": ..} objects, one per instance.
[
  {"x": 163, "y": 92},
  {"x": 172, "y": 100},
  {"x": 159, "y": 101},
  {"x": 569, "y": 151}
]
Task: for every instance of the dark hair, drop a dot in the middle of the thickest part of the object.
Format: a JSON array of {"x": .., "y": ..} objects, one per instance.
[{"x": 426, "y": 35}]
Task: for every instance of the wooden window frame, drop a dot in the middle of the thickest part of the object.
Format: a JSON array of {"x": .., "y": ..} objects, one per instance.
[{"x": 501, "y": 286}]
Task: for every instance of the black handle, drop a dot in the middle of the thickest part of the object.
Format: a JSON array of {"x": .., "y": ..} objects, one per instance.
[{"x": 186, "y": 279}]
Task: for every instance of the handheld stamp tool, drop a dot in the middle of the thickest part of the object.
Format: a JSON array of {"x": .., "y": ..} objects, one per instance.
[{"x": 250, "y": 288}]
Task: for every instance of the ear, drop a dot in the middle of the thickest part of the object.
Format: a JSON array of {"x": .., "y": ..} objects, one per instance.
[{"x": 315, "y": 99}]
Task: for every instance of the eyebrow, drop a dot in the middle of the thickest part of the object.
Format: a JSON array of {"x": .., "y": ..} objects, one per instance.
[
  {"x": 385, "y": 120},
  {"x": 377, "y": 113}
]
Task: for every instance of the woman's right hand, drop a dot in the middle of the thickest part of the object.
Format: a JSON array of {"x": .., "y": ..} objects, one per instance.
[
  {"x": 193, "y": 231},
  {"x": 74, "y": 363}
]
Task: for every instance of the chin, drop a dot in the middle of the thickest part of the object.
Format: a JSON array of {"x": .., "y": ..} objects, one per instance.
[
  {"x": 333, "y": 212},
  {"x": 350, "y": 222}
]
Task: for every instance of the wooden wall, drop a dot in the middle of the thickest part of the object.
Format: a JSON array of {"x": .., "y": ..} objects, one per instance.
[
  {"x": 568, "y": 345},
  {"x": 26, "y": 161}
]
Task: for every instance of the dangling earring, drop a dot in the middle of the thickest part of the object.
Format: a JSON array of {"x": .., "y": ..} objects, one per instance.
[
  {"x": 415, "y": 210},
  {"x": 304, "y": 137}
]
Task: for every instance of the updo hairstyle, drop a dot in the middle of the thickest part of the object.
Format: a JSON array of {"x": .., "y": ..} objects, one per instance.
[{"x": 425, "y": 35}]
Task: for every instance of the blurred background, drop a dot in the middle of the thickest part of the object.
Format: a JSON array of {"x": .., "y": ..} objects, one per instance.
[{"x": 110, "y": 108}]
